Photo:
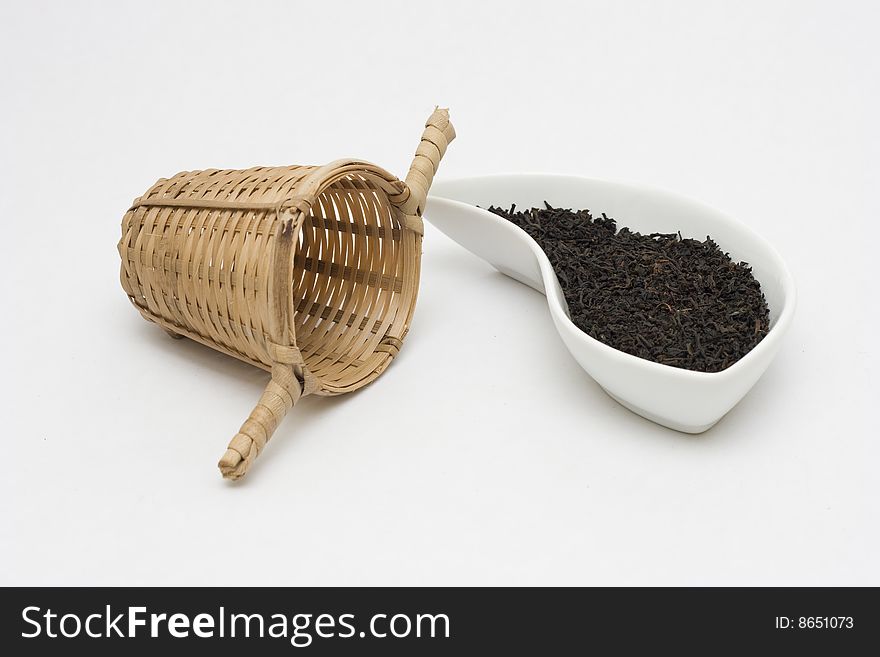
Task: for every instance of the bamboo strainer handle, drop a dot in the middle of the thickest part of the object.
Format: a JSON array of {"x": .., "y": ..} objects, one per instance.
[
  {"x": 290, "y": 378},
  {"x": 436, "y": 137},
  {"x": 283, "y": 391}
]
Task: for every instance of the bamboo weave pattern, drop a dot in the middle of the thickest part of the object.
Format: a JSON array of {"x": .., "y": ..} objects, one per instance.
[{"x": 309, "y": 272}]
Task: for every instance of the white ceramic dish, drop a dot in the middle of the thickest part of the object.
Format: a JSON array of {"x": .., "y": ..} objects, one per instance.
[{"x": 679, "y": 399}]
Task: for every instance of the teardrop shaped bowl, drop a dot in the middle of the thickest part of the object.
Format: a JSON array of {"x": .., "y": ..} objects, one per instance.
[{"x": 680, "y": 399}]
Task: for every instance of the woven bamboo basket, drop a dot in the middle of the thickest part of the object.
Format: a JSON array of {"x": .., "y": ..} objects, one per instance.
[{"x": 309, "y": 272}]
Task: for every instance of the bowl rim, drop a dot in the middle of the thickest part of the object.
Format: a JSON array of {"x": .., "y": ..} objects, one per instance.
[{"x": 770, "y": 341}]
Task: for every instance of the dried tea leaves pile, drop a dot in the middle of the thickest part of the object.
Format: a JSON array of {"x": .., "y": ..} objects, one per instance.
[{"x": 675, "y": 301}]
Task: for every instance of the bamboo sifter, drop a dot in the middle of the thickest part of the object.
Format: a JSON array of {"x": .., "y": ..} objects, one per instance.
[{"x": 309, "y": 272}]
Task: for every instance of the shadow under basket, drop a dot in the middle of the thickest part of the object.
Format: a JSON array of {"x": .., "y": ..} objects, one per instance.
[{"x": 309, "y": 272}]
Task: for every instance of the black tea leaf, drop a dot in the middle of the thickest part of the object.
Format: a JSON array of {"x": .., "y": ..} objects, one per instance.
[{"x": 668, "y": 299}]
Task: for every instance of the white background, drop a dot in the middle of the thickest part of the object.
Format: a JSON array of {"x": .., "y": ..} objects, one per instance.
[{"x": 484, "y": 455}]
